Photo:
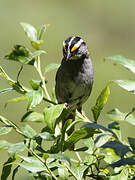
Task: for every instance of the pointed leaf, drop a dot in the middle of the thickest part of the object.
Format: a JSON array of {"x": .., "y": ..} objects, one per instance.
[
  {"x": 33, "y": 116},
  {"x": 116, "y": 115},
  {"x": 97, "y": 126},
  {"x": 47, "y": 136},
  {"x": 100, "y": 102},
  {"x": 18, "y": 99},
  {"x": 61, "y": 157},
  {"x": 78, "y": 171},
  {"x": 102, "y": 138},
  {"x": 34, "y": 98},
  {"x": 30, "y": 31},
  {"x": 37, "y": 53},
  {"x": 33, "y": 167},
  {"x": 51, "y": 67},
  {"x": 42, "y": 30},
  {"x": 119, "y": 148},
  {"x": 28, "y": 131},
  {"x": 115, "y": 127},
  {"x": 78, "y": 135},
  {"x": 128, "y": 85},
  {"x": 63, "y": 173},
  {"x": 5, "y": 129},
  {"x": 51, "y": 114},
  {"x": 123, "y": 162},
  {"x": 4, "y": 145},
  {"x": 7, "y": 169},
  {"x": 124, "y": 174},
  {"x": 6, "y": 90},
  {"x": 16, "y": 148},
  {"x": 128, "y": 63}
]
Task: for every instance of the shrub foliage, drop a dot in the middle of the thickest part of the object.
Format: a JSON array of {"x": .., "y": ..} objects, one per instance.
[{"x": 100, "y": 152}]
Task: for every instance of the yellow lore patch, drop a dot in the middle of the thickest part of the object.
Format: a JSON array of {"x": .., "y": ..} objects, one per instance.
[{"x": 74, "y": 48}]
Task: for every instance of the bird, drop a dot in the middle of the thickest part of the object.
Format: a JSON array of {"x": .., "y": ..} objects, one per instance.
[{"x": 75, "y": 76}]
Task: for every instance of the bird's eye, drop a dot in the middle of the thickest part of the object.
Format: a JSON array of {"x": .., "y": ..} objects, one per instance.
[{"x": 74, "y": 48}]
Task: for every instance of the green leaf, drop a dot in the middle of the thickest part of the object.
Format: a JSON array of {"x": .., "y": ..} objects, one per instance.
[
  {"x": 92, "y": 126},
  {"x": 42, "y": 30},
  {"x": 115, "y": 127},
  {"x": 33, "y": 117},
  {"x": 51, "y": 67},
  {"x": 78, "y": 135},
  {"x": 89, "y": 143},
  {"x": 6, "y": 90},
  {"x": 132, "y": 143},
  {"x": 33, "y": 166},
  {"x": 4, "y": 145},
  {"x": 128, "y": 63},
  {"x": 74, "y": 123},
  {"x": 116, "y": 115},
  {"x": 35, "y": 84},
  {"x": 61, "y": 157},
  {"x": 124, "y": 174},
  {"x": 7, "y": 169},
  {"x": 34, "y": 98},
  {"x": 119, "y": 148},
  {"x": 28, "y": 131},
  {"x": 47, "y": 136},
  {"x": 128, "y": 85},
  {"x": 102, "y": 138},
  {"x": 18, "y": 99},
  {"x": 78, "y": 171},
  {"x": 63, "y": 173},
  {"x": 30, "y": 31},
  {"x": 5, "y": 129},
  {"x": 51, "y": 114},
  {"x": 37, "y": 53},
  {"x": 16, "y": 148},
  {"x": 123, "y": 162},
  {"x": 100, "y": 102}
]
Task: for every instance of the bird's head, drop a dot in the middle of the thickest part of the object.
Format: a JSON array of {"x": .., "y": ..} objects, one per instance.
[{"x": 74, "y": 48}]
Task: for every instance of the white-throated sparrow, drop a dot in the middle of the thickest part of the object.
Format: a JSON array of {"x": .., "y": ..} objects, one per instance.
[{"x": 74, "y": 78}]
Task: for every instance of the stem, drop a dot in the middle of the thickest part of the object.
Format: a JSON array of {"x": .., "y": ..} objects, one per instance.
[
  {"x": 45, "y": 99},
  {"x": 38, "y": 67},
  {"x": 78, "y": 156},
  {"x": 44, "y": 162},
  {"x": 70, "y": 171}
]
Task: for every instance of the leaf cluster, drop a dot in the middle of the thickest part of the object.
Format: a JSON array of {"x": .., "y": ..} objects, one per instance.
[{"x": 100, "y": 152}]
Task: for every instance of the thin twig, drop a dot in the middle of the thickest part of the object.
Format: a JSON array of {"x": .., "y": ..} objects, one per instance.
[
  {"x": 38, "y": 67},
  {"x": 78, "y": 156},
  {"x": 20, "y": 70},
  {"x": 44, "y": 162},
  {"x": 70, "y": 171},
  {"x": 47, "y": 100}
]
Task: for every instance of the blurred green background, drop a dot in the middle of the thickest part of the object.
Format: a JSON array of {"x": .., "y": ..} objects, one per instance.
[{"x": 107, "y": 26}]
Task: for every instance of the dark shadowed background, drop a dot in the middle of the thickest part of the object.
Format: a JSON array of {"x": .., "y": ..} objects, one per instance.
[{"x": 108, "y": 27}]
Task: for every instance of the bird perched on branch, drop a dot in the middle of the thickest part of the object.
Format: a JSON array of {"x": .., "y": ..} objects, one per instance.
[{"x": 74, "y": 78}]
